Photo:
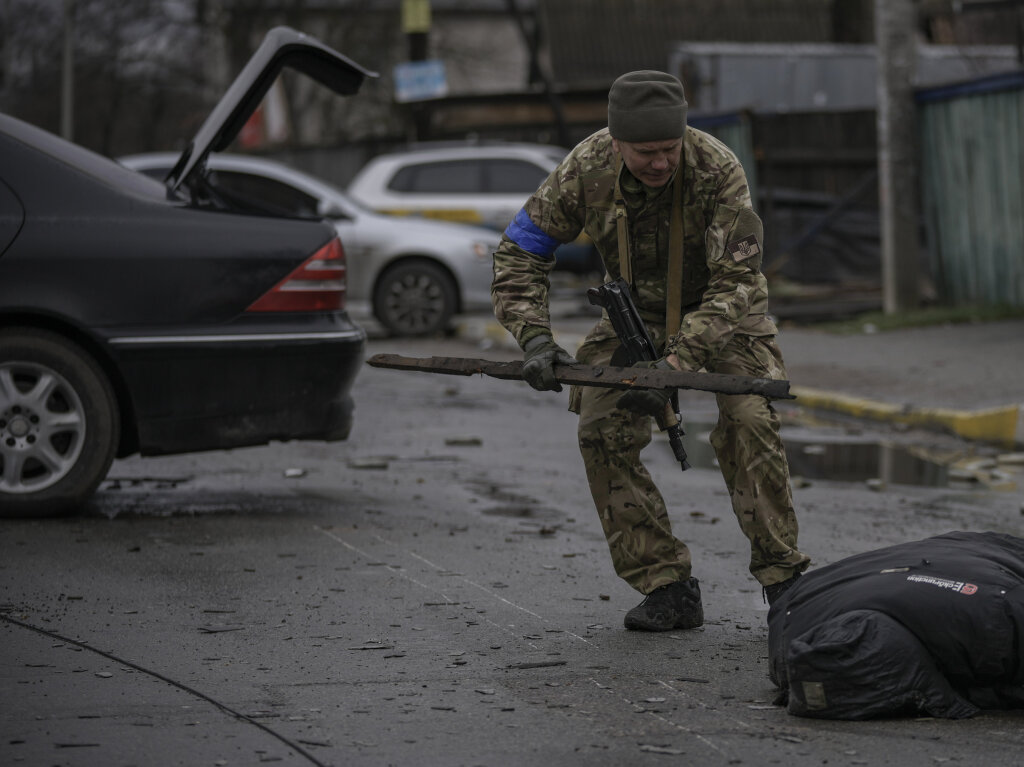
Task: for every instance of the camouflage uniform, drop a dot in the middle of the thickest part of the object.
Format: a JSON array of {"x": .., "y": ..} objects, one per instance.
[{"x": 724, "y": 329}]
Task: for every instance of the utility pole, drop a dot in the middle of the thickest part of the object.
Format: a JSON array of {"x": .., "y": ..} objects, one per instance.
[
  {"x": 416, "y": 20},
  {"x": 539, "y": 73},
  {"x": 67, "y": 88},
  {"x": 897, "y": 153}
]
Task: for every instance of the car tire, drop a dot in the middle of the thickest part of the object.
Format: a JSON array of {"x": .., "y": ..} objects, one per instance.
[
  {"x": 414, "y": 298},
  {"x": 59, "y": 424}
]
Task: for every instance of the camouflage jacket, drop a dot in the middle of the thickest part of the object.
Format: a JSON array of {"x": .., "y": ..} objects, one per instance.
[{"x": 723, "y": 290}]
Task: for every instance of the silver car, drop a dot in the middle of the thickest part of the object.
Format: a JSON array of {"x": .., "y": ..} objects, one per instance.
[
  {"x": 485, "y": 183},
  {"x": 415, "y": 274}
]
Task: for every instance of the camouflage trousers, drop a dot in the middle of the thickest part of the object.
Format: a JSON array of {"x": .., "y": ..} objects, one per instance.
[{"x": 746, "y": 440}]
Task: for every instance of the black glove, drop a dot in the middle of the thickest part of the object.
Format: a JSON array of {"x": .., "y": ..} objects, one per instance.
[
  {"x": 647, "y": 401},
  {"x": 541, "y": 354}
]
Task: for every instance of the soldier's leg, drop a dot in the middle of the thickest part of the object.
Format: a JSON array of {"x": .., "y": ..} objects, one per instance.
[
  {"x": 753, "y": 462},
  {"x": 644, "y": 551}
]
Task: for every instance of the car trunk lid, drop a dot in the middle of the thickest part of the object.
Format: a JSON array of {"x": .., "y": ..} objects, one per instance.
[{"x": 282, "y": 47}]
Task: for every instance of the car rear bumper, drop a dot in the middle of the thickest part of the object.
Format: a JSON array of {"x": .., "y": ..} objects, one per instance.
[{"x": 216, "y": 391}]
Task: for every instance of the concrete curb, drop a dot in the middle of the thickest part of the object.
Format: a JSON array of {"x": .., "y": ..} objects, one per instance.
[{"x": 1001, "y": 425}]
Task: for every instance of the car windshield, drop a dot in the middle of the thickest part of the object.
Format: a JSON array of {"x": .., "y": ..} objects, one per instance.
[
  {"x": 286, "y": 189},
  {"x": 282, "y": 191}
]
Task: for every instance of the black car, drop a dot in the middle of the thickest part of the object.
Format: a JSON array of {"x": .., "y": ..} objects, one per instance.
[{"x": 157, "y": 318}]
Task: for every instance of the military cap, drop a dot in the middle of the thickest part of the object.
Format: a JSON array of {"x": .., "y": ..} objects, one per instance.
[{"x": 646, "y": 106}]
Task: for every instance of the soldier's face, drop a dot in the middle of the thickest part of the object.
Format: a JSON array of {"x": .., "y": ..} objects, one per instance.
[{"x": 652, "y": 162}]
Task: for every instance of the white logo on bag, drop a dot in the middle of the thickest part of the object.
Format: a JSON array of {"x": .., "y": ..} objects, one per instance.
[{"x": 960, "y": 587}]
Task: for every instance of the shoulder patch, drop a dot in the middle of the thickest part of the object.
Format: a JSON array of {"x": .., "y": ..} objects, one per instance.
[
  {"x": 743, "y": 249},
  {"x": 745, "y": 238}
]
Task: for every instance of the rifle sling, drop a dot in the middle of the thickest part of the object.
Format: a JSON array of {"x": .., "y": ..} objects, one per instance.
[
  {"x": 674, "y": 278},
  {"x": 621, "y": 223},
  {"x": 674, "y": 284}
]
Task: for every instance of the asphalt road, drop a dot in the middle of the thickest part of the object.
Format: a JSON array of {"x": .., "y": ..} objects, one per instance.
[{"x": 434, "y": 591}]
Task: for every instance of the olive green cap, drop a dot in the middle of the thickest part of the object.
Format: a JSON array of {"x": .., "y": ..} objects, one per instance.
[{"x": 646, "y": 106}]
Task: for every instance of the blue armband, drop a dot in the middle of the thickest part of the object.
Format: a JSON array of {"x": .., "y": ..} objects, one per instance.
[{"x": 530, "y": 237}]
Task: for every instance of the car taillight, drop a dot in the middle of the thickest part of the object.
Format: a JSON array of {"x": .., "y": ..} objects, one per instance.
[{"x": 316, "y": 285}]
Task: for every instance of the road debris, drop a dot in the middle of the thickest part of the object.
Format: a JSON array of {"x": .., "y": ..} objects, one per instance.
[
  {"x": 646, "y": 748},
  {"x": 537, "y": 664}
]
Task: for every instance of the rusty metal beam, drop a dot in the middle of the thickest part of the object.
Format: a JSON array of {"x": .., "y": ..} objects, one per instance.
[{"x": 586, "y": 375}]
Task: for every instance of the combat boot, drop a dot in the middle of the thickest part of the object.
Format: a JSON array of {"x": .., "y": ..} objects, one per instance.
[{"x": 675, "y": 606}]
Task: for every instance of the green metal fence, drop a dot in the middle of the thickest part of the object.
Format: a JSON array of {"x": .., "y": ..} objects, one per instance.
[{"x": 972, "y": 180}]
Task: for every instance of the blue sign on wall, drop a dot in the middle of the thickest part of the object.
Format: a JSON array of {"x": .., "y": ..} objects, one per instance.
[{"x": 419, "y": 80}]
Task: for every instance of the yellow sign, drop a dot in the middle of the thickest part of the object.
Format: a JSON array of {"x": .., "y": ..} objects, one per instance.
[{"x": 415, "y": 16}]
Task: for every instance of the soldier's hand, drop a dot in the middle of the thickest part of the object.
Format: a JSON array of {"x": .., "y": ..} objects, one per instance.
[
  {"x": 647, "y": 401},
  {"x": 540, "y": 355}
]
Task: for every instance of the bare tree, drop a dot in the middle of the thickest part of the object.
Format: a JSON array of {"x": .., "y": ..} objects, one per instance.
[
  {"x": 147, "y": 72},
  {"x": 137, "y": 75},
  {"x": 29, "y": 35}
]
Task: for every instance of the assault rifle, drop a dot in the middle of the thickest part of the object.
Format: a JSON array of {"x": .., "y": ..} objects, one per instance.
[{"x": 614, "y": 297}]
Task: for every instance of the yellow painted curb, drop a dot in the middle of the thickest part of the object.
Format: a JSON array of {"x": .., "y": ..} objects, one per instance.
[{"x": 1004, "y": 425}]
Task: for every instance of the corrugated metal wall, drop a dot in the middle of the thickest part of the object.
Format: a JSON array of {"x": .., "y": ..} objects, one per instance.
[
  {"x": 972, "y": 174},
  {"x": 595, "y": 41}
]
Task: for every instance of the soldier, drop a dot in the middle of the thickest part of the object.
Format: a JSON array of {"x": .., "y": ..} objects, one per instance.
[{"x": 668, "y": 208}]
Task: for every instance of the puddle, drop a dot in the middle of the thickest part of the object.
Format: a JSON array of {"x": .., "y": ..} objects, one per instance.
[
  {"x": 851, "y": 459},
  {"x": 861, "y": 462}
]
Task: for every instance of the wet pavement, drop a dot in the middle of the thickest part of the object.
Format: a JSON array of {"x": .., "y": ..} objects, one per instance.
[{"x": 436, "y": 590}]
